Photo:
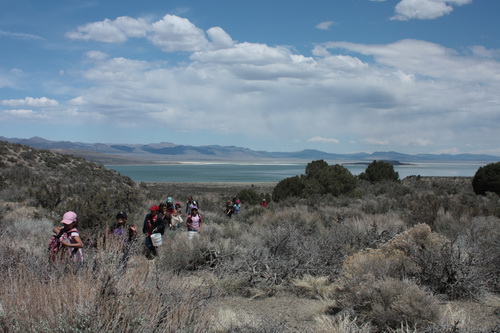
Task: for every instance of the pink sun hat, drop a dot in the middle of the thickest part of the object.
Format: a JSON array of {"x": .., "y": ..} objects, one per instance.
[{"x": 69, "y": 217}]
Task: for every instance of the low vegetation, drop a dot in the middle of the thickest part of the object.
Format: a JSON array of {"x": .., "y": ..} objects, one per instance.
[{"x": 419, "y": 254}]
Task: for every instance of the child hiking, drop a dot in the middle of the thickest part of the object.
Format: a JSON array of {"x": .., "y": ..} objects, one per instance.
[
  {"x": 194, "y": 222},
  {"x": 66, "y": 241}
]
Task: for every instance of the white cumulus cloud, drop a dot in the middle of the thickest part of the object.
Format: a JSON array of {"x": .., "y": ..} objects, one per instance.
[
  {"x": 173, "y": 33},
  {"x": 220, "y": 39},
  {"x": 425, "y": 9}
]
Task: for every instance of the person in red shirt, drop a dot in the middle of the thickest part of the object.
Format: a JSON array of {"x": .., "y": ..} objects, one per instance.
[{"x": 153, "y": 224}]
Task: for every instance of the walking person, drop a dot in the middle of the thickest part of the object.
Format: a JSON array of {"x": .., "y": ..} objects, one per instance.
[
  {"x": 229, "y": 209},
  {"x": 176, "y": 216},
  {"x": 236, "y": 207},
  {"x": 66, "y": 242},
  {"x": 190, "y": 204},
  {"x": 166, "y": 214},
  {"x": 122, "y": 230},
  {"x": 124, "y": 236},
  {"x": 194, "y": 222},
  {"x": 152, "y": 224}
]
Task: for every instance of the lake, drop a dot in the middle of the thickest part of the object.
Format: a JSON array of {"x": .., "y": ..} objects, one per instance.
[{"x": 257, "y": 173}]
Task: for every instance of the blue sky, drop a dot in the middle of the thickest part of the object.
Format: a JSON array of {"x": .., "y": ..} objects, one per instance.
[{"x": 413, "y": 76}]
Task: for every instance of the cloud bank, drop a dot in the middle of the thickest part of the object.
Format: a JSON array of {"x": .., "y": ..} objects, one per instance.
[{"x": 409, "y": 93}]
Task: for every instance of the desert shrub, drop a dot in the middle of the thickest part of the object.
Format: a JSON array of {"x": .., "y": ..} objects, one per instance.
[
  {"x": 378, "y": 205},
  {"x": 342, "y": 323},
  {"x": 312, "y": 286},
  {"x": 179, "y": 254},
  {"x": 422, "y": 208},
  {"x": 371, "y": 230},
  {"x": 101, "y": 303},
  {"x": 228, "y": 320},
  {"x": 388, "y": 188},
  {"x": 379, "y": 264},
  {"x": 48, "y": 195},
  {"x": 487, "y": 179},
  {"x": 443, "y": 266},
  {"x": 249, "y": 196},
  {"x": 483, "y": 237},
  {"x": 387, "y": 302},
  {"x": 378, "y": 171}
]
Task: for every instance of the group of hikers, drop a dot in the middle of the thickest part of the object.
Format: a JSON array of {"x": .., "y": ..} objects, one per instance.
[{"x": 67, "y": 243}]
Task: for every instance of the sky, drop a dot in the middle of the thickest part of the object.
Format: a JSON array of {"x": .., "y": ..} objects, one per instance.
[{"x": 340, "y": 76}]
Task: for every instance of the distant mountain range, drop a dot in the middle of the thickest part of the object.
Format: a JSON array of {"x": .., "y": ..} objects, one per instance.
[{"x": 165, "y": 152}]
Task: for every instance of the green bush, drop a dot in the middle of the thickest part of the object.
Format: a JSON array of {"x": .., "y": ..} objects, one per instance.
[
  {"x": 379, "y": 171},
  {"x": 249, "y": 196},
  {"x": 314, "y": 168},
  {"x": 320, "y": 178},
  {"x": 288, "y": 187},
  {"x": 487, "y": 179},
  {"x": 336, "y": 180}
]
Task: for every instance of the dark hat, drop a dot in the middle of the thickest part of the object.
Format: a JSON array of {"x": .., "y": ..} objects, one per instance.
[{"x": 121, "y": 214}]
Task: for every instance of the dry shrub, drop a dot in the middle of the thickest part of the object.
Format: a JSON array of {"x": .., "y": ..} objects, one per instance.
[
  {"x": 443, "y": 265},
  {"x": 379, "y": 264},
  {"x": 312, "y": 286},
  {"x": 340, "y": 324},
  {"x": 179, "y": 253},
  {"x": 387, "y": 302},
  {"x": 227, "y": 320},
  {"x": 373, "y": 230},
  {"x": 101, "y": 296},
  {"x": 483, "y": 236},
  {"x": 75, "y": 300},
  {"x": 422, "y": 208}
]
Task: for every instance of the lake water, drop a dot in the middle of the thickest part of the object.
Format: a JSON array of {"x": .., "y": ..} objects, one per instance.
[{"x": 256, "y": 173}]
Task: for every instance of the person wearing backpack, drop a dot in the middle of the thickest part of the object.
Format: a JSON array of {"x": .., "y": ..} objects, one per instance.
[
  {"x": 66, "y": 240},
  {"x": 153, "y": 223},
  {"x": 194, "y": 222},
  {"x": 190, "y": 204}
]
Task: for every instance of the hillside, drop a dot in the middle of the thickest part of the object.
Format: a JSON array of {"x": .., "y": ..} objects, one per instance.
[{"x": 58, "y": 182}]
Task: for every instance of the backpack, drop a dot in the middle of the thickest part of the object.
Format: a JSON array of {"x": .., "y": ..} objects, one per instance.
[{"x": 55, "y": 243}]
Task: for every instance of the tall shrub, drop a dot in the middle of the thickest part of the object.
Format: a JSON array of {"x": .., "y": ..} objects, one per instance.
[
  {"x": 379, "y": 171},
  {"x": 487, "y": 179}
]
